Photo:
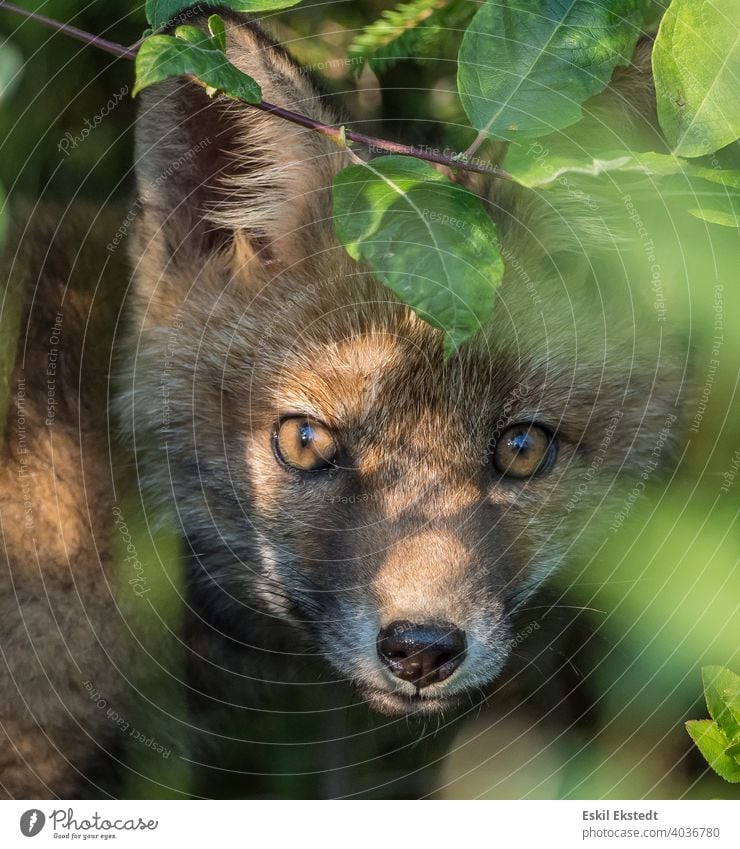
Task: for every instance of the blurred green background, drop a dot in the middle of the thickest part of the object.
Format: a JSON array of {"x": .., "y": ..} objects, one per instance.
[{"x": 627, "y": 631}]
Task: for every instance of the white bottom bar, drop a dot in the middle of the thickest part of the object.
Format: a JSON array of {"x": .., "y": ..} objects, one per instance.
[{"x": 372, "y": 825}]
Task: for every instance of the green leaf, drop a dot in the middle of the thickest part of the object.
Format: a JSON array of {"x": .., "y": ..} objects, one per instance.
[
  {"x": 733, "y": 751},
  {"x": 717, "y": 680},
  {"x": 161, "y": 12},
  {"x": 427, "y": 239},
  {"x": 713, "y": 744},
  {"x": 191, "y": 51},
  {"x": 542, "y": 163},
  {"x": 525, "y": 67},
  {"x": 696, "y": 65},
  {"x": 11, "y": 63},
  {"x": 717, "y": 207},
  {"x": 218, "y": 31},
  {"x": 732, "y": 699}
]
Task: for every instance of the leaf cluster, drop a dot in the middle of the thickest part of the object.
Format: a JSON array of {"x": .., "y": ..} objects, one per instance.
[
  {"x": 418, "y": 30},
  {"x": 527, "y": 72},
  {"x": 718, "y": 738}
]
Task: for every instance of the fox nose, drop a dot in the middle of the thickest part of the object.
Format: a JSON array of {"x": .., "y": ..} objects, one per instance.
[{"x": 422, "y": 654}]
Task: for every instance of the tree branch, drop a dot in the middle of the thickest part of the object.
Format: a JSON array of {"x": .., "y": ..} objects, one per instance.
[{"x": 461, "y": 161}]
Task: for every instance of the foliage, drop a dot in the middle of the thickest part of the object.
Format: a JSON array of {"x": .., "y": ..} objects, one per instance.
[
  {"x": 567, "y": 159},
  {"x": 190, "y": 51},
  {"x": 10, "y": 69},
  {"x": 525, "y": 68},
  {"x": 696, "y": 63},
  {"x": 708, "y": 193},
  {"x": 159, "y": 12},
  {"x": 669, "y": 583},
  {"x": 426, "y": 238},
  {"x": 416, "y": 30},
  {"x": 718, "y": 738}
]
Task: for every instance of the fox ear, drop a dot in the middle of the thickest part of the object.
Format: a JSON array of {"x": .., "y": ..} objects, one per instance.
[{"x": 214, "y": 174}]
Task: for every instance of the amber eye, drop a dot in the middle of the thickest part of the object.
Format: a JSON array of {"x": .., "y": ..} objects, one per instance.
[
  {"x": 304, "y": 444},
  {"x": 524, "y": 450}
]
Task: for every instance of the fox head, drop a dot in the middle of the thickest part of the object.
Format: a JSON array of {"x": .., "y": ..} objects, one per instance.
[{"x": 392, "y": 507}]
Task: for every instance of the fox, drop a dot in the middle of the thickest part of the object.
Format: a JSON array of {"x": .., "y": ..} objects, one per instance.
[{"x": 362, "y": 518}]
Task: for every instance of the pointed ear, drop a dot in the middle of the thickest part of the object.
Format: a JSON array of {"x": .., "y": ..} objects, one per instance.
[{"x": 214, "y": 174}]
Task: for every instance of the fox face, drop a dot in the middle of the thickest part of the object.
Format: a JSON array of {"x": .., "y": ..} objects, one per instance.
[
  {"x": 393, "y": 498},
  {"x": 343, "y": 481},
  {"x": 403, "y": 508}
]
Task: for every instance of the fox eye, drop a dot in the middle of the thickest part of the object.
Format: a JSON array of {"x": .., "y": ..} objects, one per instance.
[
  {"x": 524, "y": 450},
  {"x": 304, "y": 444}
]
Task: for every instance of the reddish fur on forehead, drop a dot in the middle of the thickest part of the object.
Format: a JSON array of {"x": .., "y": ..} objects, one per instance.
[{"x": 342, "y": 379}]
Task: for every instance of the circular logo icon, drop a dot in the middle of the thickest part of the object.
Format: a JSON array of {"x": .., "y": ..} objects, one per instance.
[{"x": 32, "y": 822}]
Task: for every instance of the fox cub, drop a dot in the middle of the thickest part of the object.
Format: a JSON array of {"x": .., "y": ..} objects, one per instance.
[{"x": 362, "y": 519}]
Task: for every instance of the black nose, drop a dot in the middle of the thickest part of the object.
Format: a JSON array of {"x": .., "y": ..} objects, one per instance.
[{"x": 422, "y": 654}]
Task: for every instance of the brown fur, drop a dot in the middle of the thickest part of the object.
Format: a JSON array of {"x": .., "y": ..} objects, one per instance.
[
  {"x": 245, "y": 308},
  {"x": 272, "y": 318},
  {"x": 59, "y": 622}
]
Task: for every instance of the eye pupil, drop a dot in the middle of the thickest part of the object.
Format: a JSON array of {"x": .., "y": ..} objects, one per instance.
[
  {"x": 522, "y": 442},
  {"x": 524, "y": 450},
  {"x": 306, "y": 433},
  {"x": 304, "y": 444}
]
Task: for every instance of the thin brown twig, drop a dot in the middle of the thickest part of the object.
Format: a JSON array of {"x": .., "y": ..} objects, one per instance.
[{"x": 337, "y": 134}]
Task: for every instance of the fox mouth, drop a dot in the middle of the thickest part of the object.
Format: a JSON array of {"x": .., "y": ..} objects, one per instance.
[{"x": 395, "y": 703}]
